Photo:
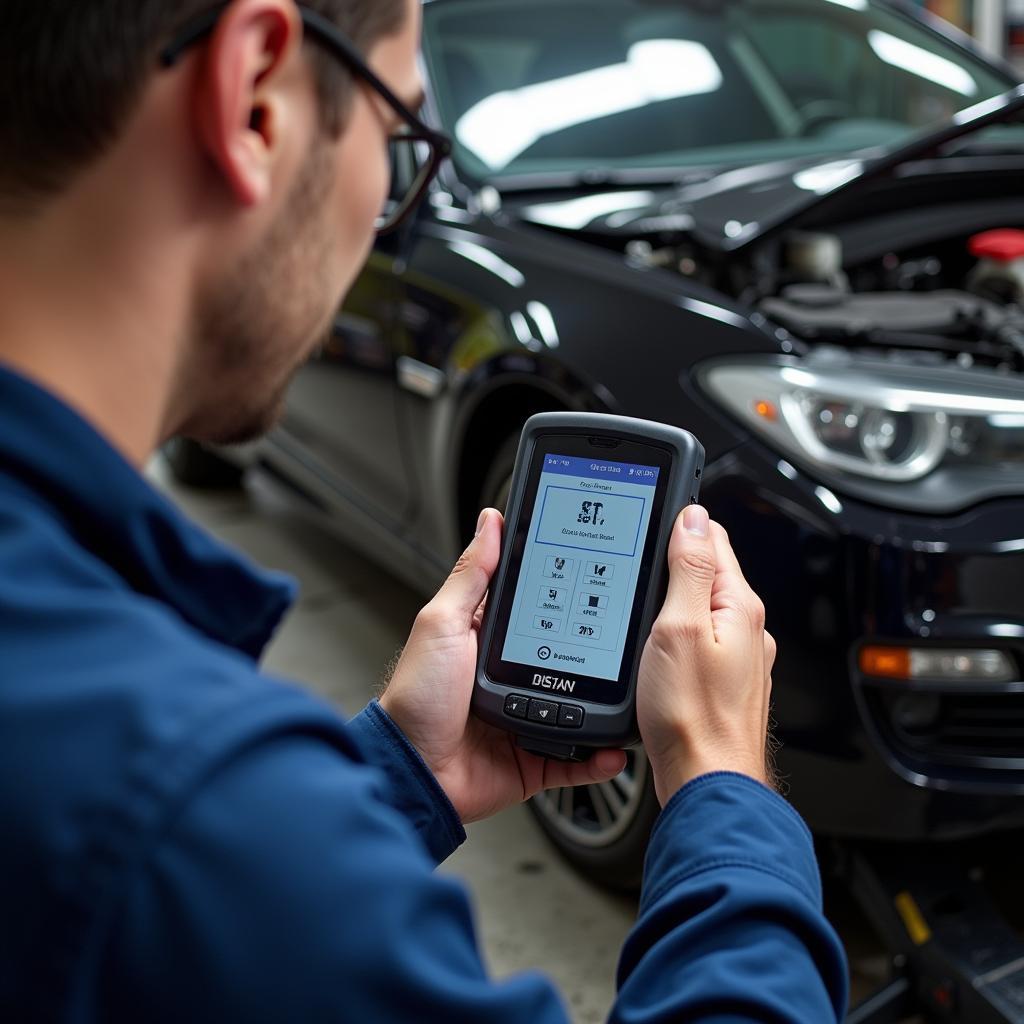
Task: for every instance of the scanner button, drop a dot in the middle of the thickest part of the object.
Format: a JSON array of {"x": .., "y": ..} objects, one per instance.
[
  {"x": 543, "y": 711},
  {"x": 570, "y": 716},
  {"x": 516, "y": 705}
]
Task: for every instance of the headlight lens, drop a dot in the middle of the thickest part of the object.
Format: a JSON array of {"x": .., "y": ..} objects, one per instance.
[
  {"x": 876, "y": 420},
  {"x": 867, "y": 439}
]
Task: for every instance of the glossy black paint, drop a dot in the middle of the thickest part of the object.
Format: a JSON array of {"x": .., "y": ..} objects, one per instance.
[
  {"x": 833, "y": 581},
  {"x": 467, "y": 322},
  {"x": 741, "y": 208}
]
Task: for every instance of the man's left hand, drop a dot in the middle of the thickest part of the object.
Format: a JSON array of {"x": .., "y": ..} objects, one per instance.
[{"x": 478, "y": 766}]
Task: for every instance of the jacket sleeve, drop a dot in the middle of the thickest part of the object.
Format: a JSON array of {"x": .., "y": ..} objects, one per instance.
[
  {"x": 724, "y": 844},
  {"x": 730, "y": 925},
  {"x": 411, "y": 787},
  {"x": 288, "y": 888}
]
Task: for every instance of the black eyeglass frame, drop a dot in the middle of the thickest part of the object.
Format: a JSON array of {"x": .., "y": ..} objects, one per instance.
[{"x": 324, "y": 32}]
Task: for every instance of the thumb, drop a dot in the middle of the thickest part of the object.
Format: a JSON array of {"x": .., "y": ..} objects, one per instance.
[
  {"x": 692, "y": 566},
  {"x": 603, "y": 766},
  {"x": 462, "y": 592}
]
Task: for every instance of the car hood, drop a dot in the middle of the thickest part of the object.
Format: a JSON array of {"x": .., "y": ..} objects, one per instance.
[{"x": 737, "y": 207}]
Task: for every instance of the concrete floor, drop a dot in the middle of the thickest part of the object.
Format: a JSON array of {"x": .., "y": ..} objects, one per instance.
[{"x": 350, "y": 621}]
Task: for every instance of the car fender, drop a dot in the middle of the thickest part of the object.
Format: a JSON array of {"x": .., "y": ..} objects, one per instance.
[{"x": 580, "y": 324}]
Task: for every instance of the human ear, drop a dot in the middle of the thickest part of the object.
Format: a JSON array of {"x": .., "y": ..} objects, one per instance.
[{"x": 240, "y": 96}]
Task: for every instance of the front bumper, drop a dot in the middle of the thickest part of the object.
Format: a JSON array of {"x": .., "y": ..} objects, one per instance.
[{"x": 836, "y": 574}]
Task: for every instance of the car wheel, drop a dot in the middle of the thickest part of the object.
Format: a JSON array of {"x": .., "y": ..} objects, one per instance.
[
  {"x": 603, "y": 829},
  {"x": 196, "y": 466}
]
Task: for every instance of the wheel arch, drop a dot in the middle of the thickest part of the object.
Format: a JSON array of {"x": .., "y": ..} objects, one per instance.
[{"x": 496, "y": 412}]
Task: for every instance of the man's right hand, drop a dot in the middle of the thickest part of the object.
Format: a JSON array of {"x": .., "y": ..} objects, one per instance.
[{"x": 705, "y": 676}]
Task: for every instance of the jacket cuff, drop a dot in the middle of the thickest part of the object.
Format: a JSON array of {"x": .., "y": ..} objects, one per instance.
[
  {"x": 412, "y": 788},
  {"x": 725, "y": 819}
]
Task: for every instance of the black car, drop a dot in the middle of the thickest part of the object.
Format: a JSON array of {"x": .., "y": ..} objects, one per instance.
[{"x": 769, "y": 222}]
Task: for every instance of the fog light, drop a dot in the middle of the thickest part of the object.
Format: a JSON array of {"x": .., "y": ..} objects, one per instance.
[
  {"x": 938, "y": 664},
  {"x": 917, "y": 712}
]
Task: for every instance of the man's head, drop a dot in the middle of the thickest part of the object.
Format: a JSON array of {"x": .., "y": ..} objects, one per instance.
[{"x": 259, "y": 160}]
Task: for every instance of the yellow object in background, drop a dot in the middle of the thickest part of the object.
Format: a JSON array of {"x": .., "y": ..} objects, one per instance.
[
  {"x": 913, "y": 919},
  {"x": 956, "y": 11}
]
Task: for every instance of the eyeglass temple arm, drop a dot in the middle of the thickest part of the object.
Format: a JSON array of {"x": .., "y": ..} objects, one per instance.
[
  {"x": 202, "y": 26},
  {"x": 312, "y": 21},
  {"x": 316, "y": 25}
]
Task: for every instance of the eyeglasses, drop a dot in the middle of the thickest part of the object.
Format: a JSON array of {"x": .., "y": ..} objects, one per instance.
[{"x": 428, "y": 148}]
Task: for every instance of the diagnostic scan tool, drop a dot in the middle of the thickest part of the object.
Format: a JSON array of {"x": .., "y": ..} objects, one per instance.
[{"x": 581, "y": 578}]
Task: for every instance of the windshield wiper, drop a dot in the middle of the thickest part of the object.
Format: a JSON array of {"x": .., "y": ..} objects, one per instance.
[
  {"x": 987, "y": 147},
  {"x": 603, "y": 177},
  {"x": 1006, "y": 108}
]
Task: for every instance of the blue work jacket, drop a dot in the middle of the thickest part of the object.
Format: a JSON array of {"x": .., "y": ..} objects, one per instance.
[{"x": 185, "y": 838}]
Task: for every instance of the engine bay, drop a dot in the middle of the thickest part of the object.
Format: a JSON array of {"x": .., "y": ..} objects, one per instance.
[
  {"x": 947, "y": 322},
  {"x": 960, "y": 298}
]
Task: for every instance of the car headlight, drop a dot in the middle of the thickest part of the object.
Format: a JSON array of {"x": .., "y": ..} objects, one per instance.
[{"x": 854, "y": 417}]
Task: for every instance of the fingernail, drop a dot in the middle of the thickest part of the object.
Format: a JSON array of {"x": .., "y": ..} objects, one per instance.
[
  {"x": 481, "y": 521},
  {"x": 696, "y": 520}
]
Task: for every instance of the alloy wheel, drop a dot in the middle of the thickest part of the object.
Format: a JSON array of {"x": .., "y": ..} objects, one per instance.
[{"x": 601, "y": 813}]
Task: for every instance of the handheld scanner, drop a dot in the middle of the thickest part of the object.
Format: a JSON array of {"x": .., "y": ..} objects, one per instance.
[{"x": 581, "y": 578}]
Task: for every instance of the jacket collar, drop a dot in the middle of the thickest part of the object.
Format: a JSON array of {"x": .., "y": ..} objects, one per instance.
[{"x": 115, "y": 513}]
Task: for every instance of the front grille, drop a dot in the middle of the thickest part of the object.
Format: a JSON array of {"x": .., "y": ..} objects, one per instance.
[{"x": 932, "y": 731}]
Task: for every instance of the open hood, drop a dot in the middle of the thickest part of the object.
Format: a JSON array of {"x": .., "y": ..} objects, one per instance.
[{"x": 735, "y": 208}]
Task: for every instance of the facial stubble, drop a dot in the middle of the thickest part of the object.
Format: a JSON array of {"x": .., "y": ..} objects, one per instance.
[{"x": 260, "y": 323}]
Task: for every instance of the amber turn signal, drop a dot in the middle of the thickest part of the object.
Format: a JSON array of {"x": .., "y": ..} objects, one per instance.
[
  {"x": 890, "y": 662},
  {"x": 939, "y": 664}
]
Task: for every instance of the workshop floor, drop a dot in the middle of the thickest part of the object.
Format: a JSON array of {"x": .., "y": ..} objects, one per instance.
[{"x": 351, "y": 618}]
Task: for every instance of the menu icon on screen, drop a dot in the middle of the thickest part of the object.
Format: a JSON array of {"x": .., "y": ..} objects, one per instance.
[{"x": 584, "y": 540}]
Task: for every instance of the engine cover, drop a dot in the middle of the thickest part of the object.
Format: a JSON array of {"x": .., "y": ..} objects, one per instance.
[{"x": 823, "y": 312}]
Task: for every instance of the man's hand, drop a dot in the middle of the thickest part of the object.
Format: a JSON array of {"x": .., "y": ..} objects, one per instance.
[
  {"x": 705, "y": 676},
  {"x": 478, "y": 766}
]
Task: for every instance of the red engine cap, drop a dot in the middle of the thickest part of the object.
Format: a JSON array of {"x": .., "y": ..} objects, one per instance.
[{"x": 1003, "y": 244}]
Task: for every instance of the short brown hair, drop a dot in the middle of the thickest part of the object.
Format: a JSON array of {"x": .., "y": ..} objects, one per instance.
[{"x": 71, "y": 74}]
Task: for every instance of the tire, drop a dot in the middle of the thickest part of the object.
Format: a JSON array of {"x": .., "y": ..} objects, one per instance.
[
  {"x": 498, "y": 480},
  {"x": 199, "y": 468},
  {"x": 601, "y": 830}
]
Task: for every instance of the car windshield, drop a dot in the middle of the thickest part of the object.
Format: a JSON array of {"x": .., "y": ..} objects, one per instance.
[{"x": 567, "y": 87}]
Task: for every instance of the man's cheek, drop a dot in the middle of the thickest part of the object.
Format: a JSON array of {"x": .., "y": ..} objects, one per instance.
[{"x": 365, "y": 176}]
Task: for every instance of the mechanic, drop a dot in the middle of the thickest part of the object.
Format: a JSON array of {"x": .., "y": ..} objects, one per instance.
[{"x": 186, "y": 838}]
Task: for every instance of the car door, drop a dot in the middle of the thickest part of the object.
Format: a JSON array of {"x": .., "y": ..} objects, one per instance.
[{"x": 341, "y": 408}]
